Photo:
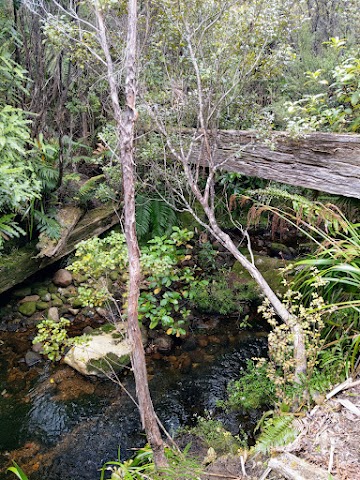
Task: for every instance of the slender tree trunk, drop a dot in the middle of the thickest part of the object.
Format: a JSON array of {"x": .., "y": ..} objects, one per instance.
[{"x": 125, "y": 123}]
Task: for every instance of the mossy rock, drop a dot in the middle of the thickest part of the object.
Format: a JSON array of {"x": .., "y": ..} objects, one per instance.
[
  {"x": 56, "y": 301},
  {"x": 79, "y": 278},
  {"x": 269, "y": 268},
  {"x": 109, "y": 363},
  {"x": 99, "y": 354},
  {"x": 42, "y": 305},
  {"x": 52, "y": 288},
  {"x": 27, "y": 308},
  {"x": 75, "y": 302},
  {"x": 41, "y": 291}
]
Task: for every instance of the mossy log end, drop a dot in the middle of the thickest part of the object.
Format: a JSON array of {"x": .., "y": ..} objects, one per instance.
[
  {"x": 326, "y": 162},
  {"x": 24, "y": 262}
]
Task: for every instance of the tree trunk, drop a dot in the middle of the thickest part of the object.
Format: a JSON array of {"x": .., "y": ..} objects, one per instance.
[{"x": 125, "y": 125}]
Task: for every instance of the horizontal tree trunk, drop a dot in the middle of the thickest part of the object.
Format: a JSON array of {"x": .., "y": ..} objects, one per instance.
[{"x": 322, "y": 161}]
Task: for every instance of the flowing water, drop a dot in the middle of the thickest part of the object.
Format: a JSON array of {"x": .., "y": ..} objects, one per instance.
[{"x": 60, "y": 425}]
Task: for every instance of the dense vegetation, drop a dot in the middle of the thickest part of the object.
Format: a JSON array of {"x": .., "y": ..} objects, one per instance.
[{"x": 201, "y": 65}]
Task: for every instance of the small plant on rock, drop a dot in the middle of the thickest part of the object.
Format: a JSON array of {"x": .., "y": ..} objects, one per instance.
[{"x": 53, "y": 337}]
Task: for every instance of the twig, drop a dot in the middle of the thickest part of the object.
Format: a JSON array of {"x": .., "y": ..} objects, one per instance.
[
  {"x": 242, "y": 463},
  {"x": 331, "y": 459}
]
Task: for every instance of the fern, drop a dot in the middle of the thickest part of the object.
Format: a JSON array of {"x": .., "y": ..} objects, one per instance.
[
  {"x": 88, "y": 189},
  {"x": 277, "y": 431},
  {"x": 9, "y": 228},
  {"x": 143, "y": 215},
  {"x": 153, "y": 217},
  {"x": 47, "y": 225}
]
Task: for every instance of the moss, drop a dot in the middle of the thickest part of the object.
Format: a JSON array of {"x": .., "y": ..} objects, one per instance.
[
  {"x": 108, "y": 363},
  {"x": 107, "y": 328},
  {"x": 269, "y": 268},
  {"x": 42, "y": 305},
  {"x": 27, "y": 308}
]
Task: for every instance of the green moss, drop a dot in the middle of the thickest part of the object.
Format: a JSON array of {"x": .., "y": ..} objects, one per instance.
[
  {"x": 269, "y": 268},
  {"x": 27, "y": 308},
  {"x": 42, "y": 305},
  {"x": 108, "y": 363},
  {"x": 107, "y": 328}
]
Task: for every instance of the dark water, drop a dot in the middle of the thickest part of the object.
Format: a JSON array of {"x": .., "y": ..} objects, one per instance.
[{"x": 75, "y": 436}]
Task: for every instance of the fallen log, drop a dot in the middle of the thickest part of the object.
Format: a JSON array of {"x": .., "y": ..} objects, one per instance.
[
  {"x": 295, "y": 468},
  {"x": 322, "y": 161},
  {"x": 24, "y": 262}
]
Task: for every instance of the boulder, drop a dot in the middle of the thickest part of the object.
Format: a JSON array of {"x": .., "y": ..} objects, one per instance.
[
  {"x": 100, "y": 354},
  {"x": 62, "y": 278}
]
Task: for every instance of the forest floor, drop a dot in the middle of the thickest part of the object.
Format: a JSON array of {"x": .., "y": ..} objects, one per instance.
[{"x": 329, "y": 440}]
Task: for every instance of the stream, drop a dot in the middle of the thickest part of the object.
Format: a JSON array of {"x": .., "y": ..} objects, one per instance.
[{"x": 58, "y": 424}]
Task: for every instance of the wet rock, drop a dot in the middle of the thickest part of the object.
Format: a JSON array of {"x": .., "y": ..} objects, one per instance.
[
  {"x": 164, "y": 343},
  {"x": 68, "y": 292},
  {"x": 102, "y": 312},
  {"x": 53, "y": 314},
  {"x": 30, "y": 298},
  {"x": 31, "y": 358},
  {"x": 62, "y": 278},
  {"x": 75, "y": 302},
  {"x": 88, "y": 330},
  {"x": 27, "y": 309},
  {"x": 41, "y": 291},
  {"x": 77, "y": 278},
  {"x": 189, "y": 344},
  {"x": 208, "y": 324},
  {"x": 38, "y": 347},
  {"x": 202, "y": 341},
  {"x": 56, "y": 301},
  {"x": 42, "y": 305},
  {"x": 100, "y": 355},
  {"x": 46, "y": 297},
  {"x": 52, "y": 288}
]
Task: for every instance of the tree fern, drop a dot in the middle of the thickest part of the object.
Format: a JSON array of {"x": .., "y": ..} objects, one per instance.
[{"x": 277, "y": 431}]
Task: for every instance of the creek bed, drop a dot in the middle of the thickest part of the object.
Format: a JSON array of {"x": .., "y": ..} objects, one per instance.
[{"x": 60, "y": 425}]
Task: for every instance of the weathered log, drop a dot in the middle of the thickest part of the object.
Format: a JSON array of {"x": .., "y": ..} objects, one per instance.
[
  {"x": 295, "y": 468},
  {"x": 321, "y": 161},
  {"x": 19, "y": 266}
]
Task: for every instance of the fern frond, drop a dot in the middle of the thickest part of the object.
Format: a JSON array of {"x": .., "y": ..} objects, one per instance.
[
  {"x": 9, "y": 228},
  {"x": 47, "y": 225},
  {"x": 277, "y": 431},
  {"x": 163, "y": 217},
  {"x": 143, "y": 215},
  {"x": 87, "y": 189}
]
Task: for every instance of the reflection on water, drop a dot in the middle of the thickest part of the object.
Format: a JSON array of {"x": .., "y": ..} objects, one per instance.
[{"x": 76, "y": 433}]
